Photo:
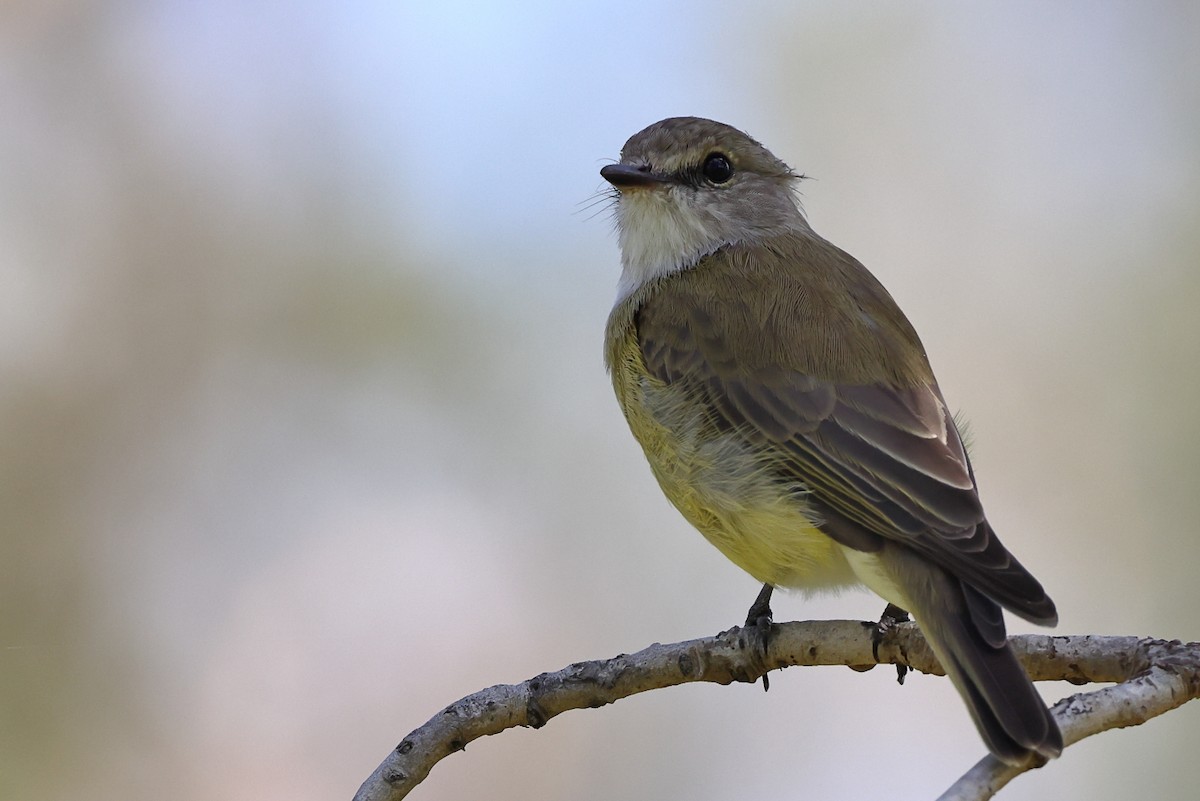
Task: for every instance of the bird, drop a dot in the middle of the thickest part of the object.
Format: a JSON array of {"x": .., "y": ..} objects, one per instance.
[{"x": 788, "y": 410}]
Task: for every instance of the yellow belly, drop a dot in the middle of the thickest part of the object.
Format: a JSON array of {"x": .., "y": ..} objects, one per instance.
[{"x": 724, "y": 485}]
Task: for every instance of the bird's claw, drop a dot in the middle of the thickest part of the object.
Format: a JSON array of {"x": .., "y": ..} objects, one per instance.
[
  {"x": 758, "y": 626},
  {"x": 892, "y": 616}
]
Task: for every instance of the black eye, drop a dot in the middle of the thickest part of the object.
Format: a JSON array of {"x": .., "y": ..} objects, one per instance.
[{"x": 717, "y": 168}]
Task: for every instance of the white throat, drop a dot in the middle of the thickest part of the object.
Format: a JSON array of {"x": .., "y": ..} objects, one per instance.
[{"x": 658, "y": 236}]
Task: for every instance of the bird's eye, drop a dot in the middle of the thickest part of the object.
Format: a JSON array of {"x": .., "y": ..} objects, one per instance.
[{"x": 717, "y": 168}]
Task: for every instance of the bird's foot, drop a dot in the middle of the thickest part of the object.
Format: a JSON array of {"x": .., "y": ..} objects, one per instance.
[
  {"x": 758, "y": 626},
  {"x": 892, "y": 617}
]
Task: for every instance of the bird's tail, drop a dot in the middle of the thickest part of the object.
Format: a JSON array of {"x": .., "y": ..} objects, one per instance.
[{"x": 966, "y": 631}]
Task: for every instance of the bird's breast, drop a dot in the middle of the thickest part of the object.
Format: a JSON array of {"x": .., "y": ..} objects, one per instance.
[{"x": 725, "y": 484}]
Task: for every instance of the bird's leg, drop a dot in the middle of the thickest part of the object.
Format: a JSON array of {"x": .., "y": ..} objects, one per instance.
[
  {"x": 758, "y": 624},
  {"x": 760, "y": 611},
  {"x": 892, "y": 616}
]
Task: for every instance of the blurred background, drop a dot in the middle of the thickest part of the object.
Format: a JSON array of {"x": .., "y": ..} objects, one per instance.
[{"x": 304, "y": 426}]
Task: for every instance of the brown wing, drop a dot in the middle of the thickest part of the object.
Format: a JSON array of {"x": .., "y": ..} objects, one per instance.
[{"x": 883, "y": 457}]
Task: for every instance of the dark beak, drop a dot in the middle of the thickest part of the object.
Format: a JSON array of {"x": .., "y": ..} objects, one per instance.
[{"x": 625, "y": 175}]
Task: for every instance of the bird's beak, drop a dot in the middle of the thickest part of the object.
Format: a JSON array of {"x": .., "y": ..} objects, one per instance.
[{"x": 624, "y": 176}]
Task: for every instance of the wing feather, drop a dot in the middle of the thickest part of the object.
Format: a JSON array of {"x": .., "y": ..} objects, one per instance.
[{"x": 884, "y": 455}]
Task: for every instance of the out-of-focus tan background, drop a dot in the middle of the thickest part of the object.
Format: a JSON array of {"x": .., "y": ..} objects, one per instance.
[{"x": 304, "y": 430}]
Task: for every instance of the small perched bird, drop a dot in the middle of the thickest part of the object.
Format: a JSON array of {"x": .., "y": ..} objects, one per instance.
[{"x": 788, "y": 410}]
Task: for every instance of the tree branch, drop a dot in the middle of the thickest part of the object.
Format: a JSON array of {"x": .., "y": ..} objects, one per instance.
[
  {"x": 1153, "y": 676},
  {"x": 1159, "y": 676}
]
